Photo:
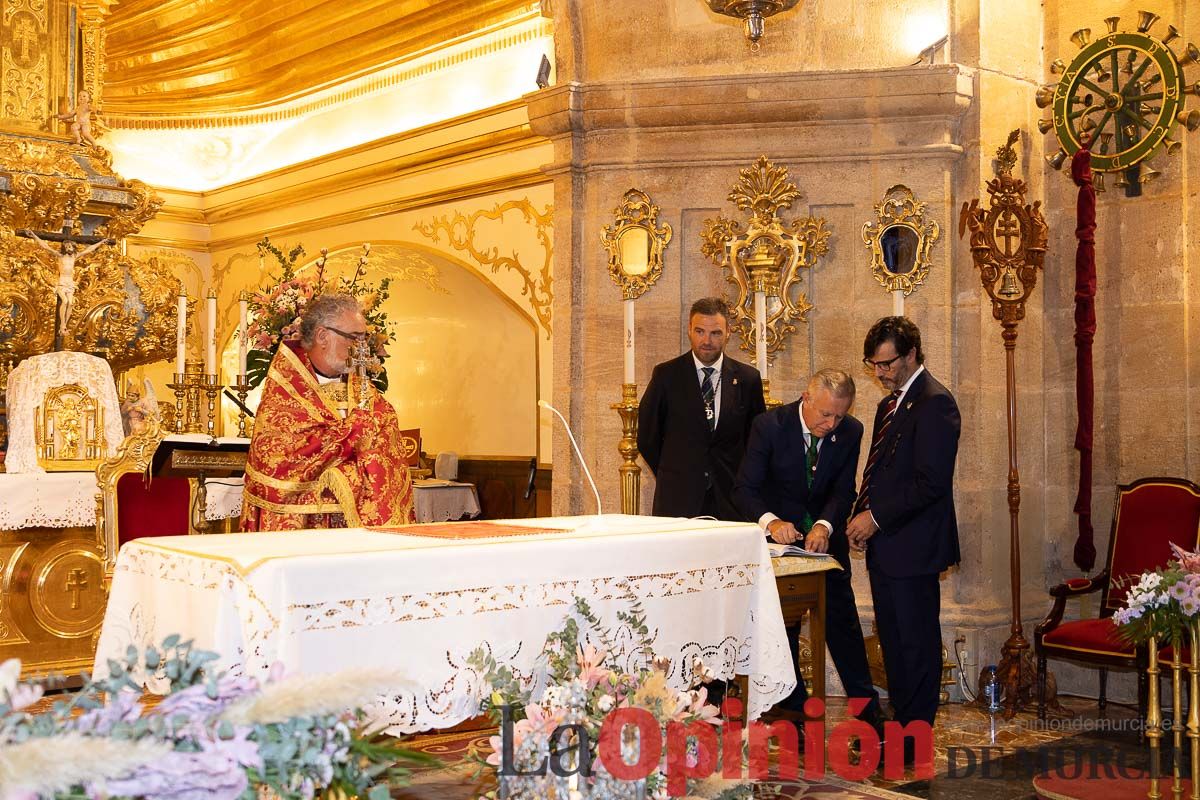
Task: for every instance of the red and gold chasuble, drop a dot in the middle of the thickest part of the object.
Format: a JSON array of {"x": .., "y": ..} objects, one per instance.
[{"x": 311, "y": 468}]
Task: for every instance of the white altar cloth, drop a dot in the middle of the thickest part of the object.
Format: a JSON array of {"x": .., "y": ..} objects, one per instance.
[
  {"x": 324, "y": 601},
  {"x": 47, "y": 500}
]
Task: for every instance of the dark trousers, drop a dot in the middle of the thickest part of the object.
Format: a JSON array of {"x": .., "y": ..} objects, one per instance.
[
  {"x": 907, "y": 612},
  {"x": 844, "y": 637}
]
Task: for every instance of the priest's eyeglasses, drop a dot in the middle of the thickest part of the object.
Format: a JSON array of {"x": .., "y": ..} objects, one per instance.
[
  {"x": 359, "y": 337},
  {"x": 885, "y": 364}
]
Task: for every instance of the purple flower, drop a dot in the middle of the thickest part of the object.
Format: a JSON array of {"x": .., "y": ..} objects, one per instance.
[
  {"x": 194, "y": 701},
  {"x": 208, "y": 775},
  {"x": 122, "y": 707}
]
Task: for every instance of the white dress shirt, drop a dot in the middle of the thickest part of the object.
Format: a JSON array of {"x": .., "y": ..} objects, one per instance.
[
  {"x": 899, "y": 400},
  {"x": 767, "y": 518},
  {"x": 716, "y": 381}
]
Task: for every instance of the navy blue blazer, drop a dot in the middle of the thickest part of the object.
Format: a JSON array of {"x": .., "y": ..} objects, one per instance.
[
  {"x": 912, "y": 484},
  {"x": 772, "y": 474}
]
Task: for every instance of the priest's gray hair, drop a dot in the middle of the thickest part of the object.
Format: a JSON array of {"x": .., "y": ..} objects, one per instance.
[
  {"x": 323, "y": 311},
  {"x": 838, "y": 383}
]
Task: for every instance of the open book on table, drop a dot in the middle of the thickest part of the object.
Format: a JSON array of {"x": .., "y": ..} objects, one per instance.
[{"x": 779, "y": 550}]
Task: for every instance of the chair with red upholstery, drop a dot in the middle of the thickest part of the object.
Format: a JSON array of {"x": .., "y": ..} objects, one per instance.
[
  {"x": 131, "y": 506},
  {"x": 1149, "y": 514}
]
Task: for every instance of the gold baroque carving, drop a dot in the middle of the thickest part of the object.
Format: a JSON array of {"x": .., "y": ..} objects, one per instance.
[
  {"x": 766, "y": 254},
  {"x": 900, "y": 241},
  {"x": 127, "y": 220},
  {"x": 637, "y": 222},
  {"x": 460, "y": 232}
]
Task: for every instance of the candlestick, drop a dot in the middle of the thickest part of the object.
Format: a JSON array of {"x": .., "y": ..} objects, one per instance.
[
  {"x": 241, "y": 388},
  {"x": 760, "y": 332},
  {"x": 629, "y": 338},
  {"x": 242, "y": 346},
  {"x": 212, "y": 388},
  {"x": 210, "y": 356},
  {"x": 631, "y": 473},
  {"x": 181, "y": 334}
]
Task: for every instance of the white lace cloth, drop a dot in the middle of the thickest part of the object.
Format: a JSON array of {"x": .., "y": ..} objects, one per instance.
[
  {"x": 224, "y": 498},
  {"x": 434, "y": 501},
  {"x": 28, "y": 384},
  {"x": 325, "y": 601},
  {"x": 47, "y": 500},
  {"x": 443, "y": 501}
]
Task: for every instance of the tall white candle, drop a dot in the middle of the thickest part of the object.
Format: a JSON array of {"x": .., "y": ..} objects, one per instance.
[
  {"x": 629, "y": 337},
  {"x": 181, "y": 334},
  {"x": 210, "y": 360},
  {"x": 898, "y": 303},
  {"x": 242, "y": 346},
  {"x": 760, "y": 332}
]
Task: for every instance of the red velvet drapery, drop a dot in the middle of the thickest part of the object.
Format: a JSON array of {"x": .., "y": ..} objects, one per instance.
[{"x": 1085, "y": 332}]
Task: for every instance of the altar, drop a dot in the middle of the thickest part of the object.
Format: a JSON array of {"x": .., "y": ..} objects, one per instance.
[{"x": 420, "y": 599}]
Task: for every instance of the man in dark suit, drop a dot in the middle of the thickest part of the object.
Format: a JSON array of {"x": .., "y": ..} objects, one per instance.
[
  {"x": 904, "y": 516},
  {"x": 797, "y": 480},
  {"x": 695, "y": 417}
]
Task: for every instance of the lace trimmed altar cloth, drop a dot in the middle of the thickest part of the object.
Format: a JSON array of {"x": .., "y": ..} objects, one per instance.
[
  {"x": 28, "y": 384},
  {"x": 325, "y": 601}
]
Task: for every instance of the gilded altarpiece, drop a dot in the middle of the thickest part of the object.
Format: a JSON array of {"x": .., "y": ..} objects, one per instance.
[{"x": 34, "y": 60}]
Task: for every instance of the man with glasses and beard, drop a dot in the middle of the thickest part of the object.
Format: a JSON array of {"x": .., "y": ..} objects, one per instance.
[
  {"x": 320, "y": 458},
  {"x": 904, "y": 516}
]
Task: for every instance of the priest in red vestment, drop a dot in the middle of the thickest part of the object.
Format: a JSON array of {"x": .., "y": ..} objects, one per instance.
[{"x": 318, "y": 459}]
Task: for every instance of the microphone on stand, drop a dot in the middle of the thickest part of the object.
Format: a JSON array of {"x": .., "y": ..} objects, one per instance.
[{"x": 578, "y": 454}]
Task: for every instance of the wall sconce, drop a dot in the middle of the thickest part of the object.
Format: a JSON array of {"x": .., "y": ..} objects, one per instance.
[
  {"x": 753, "y": 13},
  {"x": 764, "y": 259},
  {"x": 635, "y": 243}
]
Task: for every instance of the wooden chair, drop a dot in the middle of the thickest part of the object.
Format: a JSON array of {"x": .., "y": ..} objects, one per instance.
[
  {"x": 1149, "y": 513},
  {"x": 128, "y": 506}
]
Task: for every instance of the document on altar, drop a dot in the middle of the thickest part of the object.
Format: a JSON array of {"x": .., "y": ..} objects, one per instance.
[{"x": 781, "y": 550}]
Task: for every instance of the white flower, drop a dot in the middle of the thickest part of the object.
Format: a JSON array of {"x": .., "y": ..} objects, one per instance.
[
  {"x": 10, "y": 673},
  {"x": 1151, "y": 580},
  {"x": 606, "y": 703}
]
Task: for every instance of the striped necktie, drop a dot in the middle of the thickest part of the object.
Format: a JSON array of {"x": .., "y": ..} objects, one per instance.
[{"x": 863, "y": 503}]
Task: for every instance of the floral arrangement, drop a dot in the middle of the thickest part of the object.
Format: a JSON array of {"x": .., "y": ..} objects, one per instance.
[
  {"x": 578, "y": 683},
  {"x": 213, "y": 737},
  {"x": 275, "y": 310},
  {"x": 1163, "y": 603}
]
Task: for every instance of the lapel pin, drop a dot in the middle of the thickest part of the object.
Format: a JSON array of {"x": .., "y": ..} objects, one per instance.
[
  {"x": 833, "y": 438},
  {"x": 735, "y": 381},
  {"x": 908, "y": 405}
]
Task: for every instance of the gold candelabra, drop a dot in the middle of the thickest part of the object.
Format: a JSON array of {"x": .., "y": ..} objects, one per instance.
[
  {"x": 193, "y": 389},
  {"x": 631, "y": 473}
]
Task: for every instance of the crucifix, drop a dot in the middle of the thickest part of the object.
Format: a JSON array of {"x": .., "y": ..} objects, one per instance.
[
  {"x": 76, "y": 582},
  {"x": 361, "y": 361},
  {"x": 64, "y": 286}
]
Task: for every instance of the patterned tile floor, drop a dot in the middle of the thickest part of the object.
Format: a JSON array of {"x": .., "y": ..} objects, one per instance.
[{"x": 977, "y": 756}]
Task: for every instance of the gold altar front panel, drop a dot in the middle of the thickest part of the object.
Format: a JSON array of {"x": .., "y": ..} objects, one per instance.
[{"x": 52, "y": 599}]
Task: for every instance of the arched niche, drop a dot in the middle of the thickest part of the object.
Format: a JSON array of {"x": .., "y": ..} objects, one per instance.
[{"x": 464, "y": 364}]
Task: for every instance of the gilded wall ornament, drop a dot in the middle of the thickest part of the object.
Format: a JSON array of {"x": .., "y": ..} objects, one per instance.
[
  {"x": 1125, "y": 93},
  {"x": 900, "y": 241},
  {"x": 766, "y": 254},
  {"x": 635, "y": 244},
  {"x": 461, "y": 231}
]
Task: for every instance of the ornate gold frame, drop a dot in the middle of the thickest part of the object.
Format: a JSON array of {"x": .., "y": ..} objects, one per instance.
[
  {"x": 636, "y": 212},
  {"x": 900, "y": 209},
  {"x": 765, "y": 254}
]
